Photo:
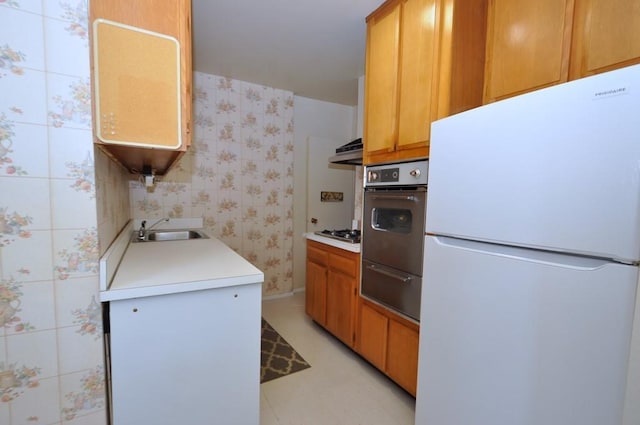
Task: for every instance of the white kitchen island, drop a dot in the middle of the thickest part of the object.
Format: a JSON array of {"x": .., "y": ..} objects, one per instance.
[{"x": 184, "y": 320}]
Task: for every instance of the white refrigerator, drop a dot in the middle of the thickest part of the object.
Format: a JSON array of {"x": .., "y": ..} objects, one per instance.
[{"x": 531, "y": 259}]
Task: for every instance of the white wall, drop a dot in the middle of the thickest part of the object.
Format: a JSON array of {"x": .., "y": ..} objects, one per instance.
[{"x": 316, "y": 119}]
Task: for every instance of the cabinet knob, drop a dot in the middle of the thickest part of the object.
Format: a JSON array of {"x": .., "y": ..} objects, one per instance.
[{"x": 415, "y": 173}]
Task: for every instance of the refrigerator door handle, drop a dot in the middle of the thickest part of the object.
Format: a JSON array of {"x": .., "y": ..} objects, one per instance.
[
  {"x": 402, "y": 278},
  {"x": 572, "y": 261}
]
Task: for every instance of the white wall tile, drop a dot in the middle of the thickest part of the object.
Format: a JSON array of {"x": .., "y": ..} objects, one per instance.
[
  {"x": 33, "y": 6},
  {"x": 3, "y": 352},
  {"x": 36, "y": 309},
  {"x": 14, "y": 23},
  {"x": 38, "y": 405},
  {"x": 62, "y": 49},
  {"x": 82, "y": 393},
  {"x": 28, "y": 151},
  {"x": 95, "y": 418},
  {"x": 22, "y": 97},
  {"x": 28, "y": 259},
  {"x": 74, "y": 297},
  {"x": 34, "y": 350},
  {"x": 26, "y": 197},
  {"x": 69, "y": 10},
  {"x": 69, "y": 101},
  {"x": 73, "y": 203},
  {"x": 75, "y": 253},
  {"x": 78, "y": 351},
  {"x": 70, "y": 148},
  {"x": 5, "y": 414}
]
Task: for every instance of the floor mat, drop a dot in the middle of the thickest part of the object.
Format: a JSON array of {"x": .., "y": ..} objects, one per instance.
[{"x": 278, "y": 358}]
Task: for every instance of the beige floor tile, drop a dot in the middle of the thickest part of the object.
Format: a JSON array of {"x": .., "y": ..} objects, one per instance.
[{"x": 339, "y": 387}]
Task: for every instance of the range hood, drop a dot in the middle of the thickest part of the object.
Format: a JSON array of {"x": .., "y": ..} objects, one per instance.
[{"x": 350, "y": 154}]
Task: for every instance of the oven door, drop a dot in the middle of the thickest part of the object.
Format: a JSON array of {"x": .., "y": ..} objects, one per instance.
[
  {"x": 397, "y": 290},
  {"x": 393, "y": 228}
]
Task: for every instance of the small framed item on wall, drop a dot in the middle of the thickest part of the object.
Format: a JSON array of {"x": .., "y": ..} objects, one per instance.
[{"x": 331, "y": 196}]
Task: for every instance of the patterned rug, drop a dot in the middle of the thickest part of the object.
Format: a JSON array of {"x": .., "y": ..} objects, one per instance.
[{"x": 278, "y": 358}]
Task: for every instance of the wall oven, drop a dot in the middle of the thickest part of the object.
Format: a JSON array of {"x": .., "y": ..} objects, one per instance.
[{"x": 393, "y": 226}]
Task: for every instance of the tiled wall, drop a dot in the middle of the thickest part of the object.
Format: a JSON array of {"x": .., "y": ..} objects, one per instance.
[
  {"x": 51, "y": 361},
  {"x": 237, "y": 175},
  {"x": 62, "y": 203}
]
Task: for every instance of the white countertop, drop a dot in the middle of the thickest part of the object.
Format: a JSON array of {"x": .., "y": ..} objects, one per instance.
[
  {"x": 347, "y": 246},
  {"x": 160, "y": 268}
]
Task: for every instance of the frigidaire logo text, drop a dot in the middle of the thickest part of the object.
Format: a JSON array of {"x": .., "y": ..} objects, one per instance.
[{"x": 612, "y": 92}]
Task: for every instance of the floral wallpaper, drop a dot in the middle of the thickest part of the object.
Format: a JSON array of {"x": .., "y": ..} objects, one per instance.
[
  {"x": 51, "y": 353},
  {"x": 237, "y": 175}
]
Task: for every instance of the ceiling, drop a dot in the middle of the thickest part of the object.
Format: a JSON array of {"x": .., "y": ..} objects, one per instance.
[{"x": 314, "y": 48}]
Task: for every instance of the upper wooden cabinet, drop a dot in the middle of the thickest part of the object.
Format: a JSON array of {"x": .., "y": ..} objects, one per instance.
[
  {"x": 527, "y": 46},
  {"x": 424, "y": 61},
  {"x": 606, "y": 36},
  {"x": 142, "y": 80},
  {"x": 535, "y": 44}
]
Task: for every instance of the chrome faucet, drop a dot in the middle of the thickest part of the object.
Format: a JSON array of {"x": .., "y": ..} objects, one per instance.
[{"x": 142, "y": 232}]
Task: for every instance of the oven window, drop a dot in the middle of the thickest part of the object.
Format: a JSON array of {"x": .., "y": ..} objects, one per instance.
[{"x": 394, "y": 220}]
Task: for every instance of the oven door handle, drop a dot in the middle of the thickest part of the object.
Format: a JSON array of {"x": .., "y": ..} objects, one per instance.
[
  {"x": 403, "y": 279},
  {"x": 395, "y": 198}
]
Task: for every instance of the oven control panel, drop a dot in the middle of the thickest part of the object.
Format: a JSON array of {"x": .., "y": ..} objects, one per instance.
[{"x": 399, "y": 174}]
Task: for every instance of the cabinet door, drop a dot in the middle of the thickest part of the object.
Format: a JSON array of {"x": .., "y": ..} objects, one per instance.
[
  {"x": 372, "y": 335},
  {"x": 416, "y": 72},
  {"x": 137, "y": 86},
  {"x": 606, "y": 36},
  {"x": 170, "y": 18},
  {"x": 340, "y": 296},
  {"x": 402, "y": 355},
  {"x": 381, "y": 90},
  {"x": 316, "y": 286},
  {"x": 187, "y": 358},
  {"x": 528, "y": 46},
  {"x": 316, "y": 292}
]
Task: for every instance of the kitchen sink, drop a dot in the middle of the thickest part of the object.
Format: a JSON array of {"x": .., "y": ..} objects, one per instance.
[{"x": 169, "y": 235}]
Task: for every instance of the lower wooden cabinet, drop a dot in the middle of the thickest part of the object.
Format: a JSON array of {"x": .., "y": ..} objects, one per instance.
[
  {"x": 402, "y": 354},
  {"x": 333, "y": 276},
  {"x": 316, "y": 289},
  {"x": 371, "y": 341},
  {"x": 385, "y": 339},
  {"x": 389, "y": 342}
]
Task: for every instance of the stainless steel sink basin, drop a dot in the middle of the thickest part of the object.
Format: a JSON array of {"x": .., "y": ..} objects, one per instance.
[{"x": 170, "y": 235}]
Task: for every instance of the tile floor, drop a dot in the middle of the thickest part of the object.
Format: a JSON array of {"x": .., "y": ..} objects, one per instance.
[{"x": 339, "y": 388}]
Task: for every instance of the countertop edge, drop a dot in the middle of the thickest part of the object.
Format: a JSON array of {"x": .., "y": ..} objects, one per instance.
[
  {"x": 353, "y": 247},
  {"x": 180, "y": 287}
]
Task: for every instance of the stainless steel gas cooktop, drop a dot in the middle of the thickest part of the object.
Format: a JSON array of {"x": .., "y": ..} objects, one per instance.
[{"x": 346, "y": 235}]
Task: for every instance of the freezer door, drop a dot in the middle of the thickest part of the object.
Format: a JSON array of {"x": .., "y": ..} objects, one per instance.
[
  {"x": 518, "y": 337},
  {"x": 555, "y": 169}
]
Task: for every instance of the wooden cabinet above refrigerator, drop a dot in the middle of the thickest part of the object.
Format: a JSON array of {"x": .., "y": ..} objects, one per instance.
[
  {"x": 424, "y": 61},
  {"x": 142, "y": 81}
]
